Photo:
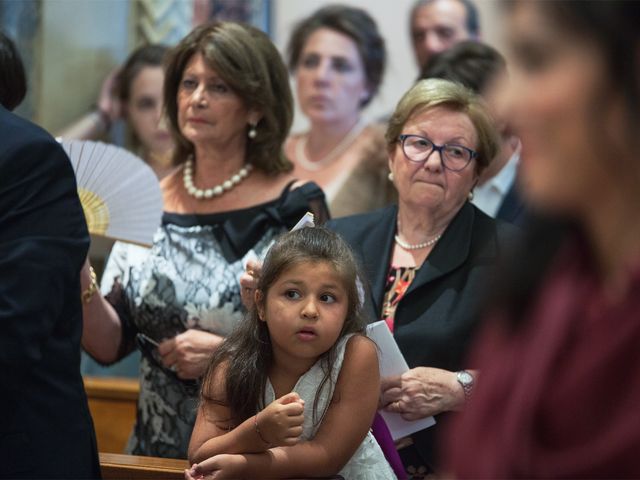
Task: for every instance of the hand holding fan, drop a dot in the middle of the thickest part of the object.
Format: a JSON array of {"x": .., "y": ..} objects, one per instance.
[{"x": 119, "y": 192}]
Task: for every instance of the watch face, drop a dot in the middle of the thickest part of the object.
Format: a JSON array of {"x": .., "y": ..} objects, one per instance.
[{"x": 465, "y": 378}]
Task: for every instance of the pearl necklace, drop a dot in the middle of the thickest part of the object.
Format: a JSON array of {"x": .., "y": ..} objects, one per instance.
[
  {"x": 417, "y": 246},
  {"x": 187, "y": 178},
  {"x": 301, "y": 145}
]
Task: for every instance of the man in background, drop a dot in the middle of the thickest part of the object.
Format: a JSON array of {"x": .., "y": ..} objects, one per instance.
[
  {"x": 437, "y": 25},
  {"x": 483, "y": 69}
]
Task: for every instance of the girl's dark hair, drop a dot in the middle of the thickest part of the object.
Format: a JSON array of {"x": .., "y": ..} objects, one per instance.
[
  {"x": 356, "y": 24},
  {"x": 247, "y": 61},
  {"x": 13, "y": 81},
  {"x": 248, "y": 349},
  {"x": 142, "y": 57},
  {"x": 612, "y": 28}
]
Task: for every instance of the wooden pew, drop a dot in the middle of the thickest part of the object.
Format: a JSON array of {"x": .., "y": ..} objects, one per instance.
[
  {"x": 116, "y": 467},
  {"x": 112, "y": 402}
]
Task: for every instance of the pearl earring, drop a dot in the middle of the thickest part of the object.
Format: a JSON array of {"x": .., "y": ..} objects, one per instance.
[
  {"x": 390, "y": 176},
  {"x": 252, "y": 133},
  {"x": 470, "y": 196}
]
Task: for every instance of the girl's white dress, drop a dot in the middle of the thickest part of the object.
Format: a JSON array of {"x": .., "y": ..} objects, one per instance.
[{"x": 368, "y": 462}]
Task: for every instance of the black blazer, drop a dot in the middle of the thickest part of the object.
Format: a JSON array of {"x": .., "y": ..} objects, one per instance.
[
  {"x": 436, "y": 319},
  {"x": 512, "y": 209},
  {"x": 46, "y": 429}
]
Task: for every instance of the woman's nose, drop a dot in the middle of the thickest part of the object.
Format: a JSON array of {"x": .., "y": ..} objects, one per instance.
[
  {"x": 322, "y": 72},
  {"x": 199, "y": 98},
  {"x": 434, "y": 161}
]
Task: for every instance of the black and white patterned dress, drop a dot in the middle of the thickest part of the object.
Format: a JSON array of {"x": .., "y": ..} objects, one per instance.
[{"x": 190, "y": 280}]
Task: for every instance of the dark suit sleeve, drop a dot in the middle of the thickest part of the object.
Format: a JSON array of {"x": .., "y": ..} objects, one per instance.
[{"x": 43, "y": 243}]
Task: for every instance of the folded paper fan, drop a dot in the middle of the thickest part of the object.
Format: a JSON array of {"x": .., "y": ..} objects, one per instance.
[{"x": 119, "y": 192}]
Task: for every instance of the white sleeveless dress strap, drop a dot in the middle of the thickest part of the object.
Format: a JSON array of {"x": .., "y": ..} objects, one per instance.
[{"x": 368, "y": 462}]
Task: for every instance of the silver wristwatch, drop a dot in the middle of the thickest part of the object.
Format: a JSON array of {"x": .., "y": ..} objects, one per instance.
[{"x": 466, "y": 380}]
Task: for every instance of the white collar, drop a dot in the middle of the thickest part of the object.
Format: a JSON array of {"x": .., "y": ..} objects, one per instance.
[{"x": 503, "y": 180}]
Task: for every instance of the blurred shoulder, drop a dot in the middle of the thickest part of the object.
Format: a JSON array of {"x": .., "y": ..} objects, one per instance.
[
  {"x": 28, "y": 149},
  {"x": 17, "y": 132}
]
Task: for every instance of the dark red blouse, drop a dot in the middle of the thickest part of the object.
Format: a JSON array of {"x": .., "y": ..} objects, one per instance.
[{"x": 561, "y": 397}]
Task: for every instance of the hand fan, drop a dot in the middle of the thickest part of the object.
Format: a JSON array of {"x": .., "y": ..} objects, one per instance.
[{"x": 119, "y": 192}]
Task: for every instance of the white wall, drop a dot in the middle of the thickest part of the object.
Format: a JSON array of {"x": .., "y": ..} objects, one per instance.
[
  {"x": 81, "y": 42},
  {"x": 392, "y": 17}
]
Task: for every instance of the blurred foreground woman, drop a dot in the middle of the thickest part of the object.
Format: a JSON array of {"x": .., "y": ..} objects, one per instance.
[{"x": 560, "y": 384}]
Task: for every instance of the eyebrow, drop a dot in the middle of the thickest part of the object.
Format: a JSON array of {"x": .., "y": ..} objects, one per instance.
[
  {"x": 207, "y": 76},
  {"x": 324, "y": 286},
  {"x": 451, "y": 140}
]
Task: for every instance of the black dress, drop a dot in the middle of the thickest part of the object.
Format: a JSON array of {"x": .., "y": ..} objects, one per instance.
[{"x": 190, "y": 280}]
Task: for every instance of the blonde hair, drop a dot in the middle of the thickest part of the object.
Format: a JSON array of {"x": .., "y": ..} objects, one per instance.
[{"x": 431, "y": 93}]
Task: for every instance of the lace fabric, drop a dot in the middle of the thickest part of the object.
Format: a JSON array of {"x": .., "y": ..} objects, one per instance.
[{"x": 189, "y": 279}]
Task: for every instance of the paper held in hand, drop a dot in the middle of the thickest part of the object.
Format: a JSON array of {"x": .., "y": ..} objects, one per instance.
[
  {"x": 305, "y": 221},
  {"x": 392, "y": 363}
]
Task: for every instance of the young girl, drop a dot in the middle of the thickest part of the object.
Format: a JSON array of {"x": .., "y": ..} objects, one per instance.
[{"x": 292, "y": 392}]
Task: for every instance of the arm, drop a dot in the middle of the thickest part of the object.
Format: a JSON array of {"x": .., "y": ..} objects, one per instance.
[
  {"x": 43, "y": 241},
  {"x": 343, "y": 429},
  {"x": 102, "y": 327},
  {"x": 278, "y": 424}
]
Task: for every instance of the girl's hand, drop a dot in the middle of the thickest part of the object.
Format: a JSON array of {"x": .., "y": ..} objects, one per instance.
[
  {"x": 421, "y": 392},
  {"x": 108, "y": 101},
  {"x": 217, "y": 467},
  {"x": 249, "y": 282},
  {"x": 280, "y": 423},
  {"x": 188, "y": 353}
]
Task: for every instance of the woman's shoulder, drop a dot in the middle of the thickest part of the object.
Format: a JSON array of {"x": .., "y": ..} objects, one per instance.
[
  {"x": 170, "y": 186},
  {"x": 491, "y": 236},
  {"x": 362, "y": 223}
]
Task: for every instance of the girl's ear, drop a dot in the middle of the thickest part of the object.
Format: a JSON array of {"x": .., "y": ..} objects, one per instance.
[{"x": 258, "y": 298}]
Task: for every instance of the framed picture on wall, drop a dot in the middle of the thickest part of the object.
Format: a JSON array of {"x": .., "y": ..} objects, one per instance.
[{"x": 253, "y": 12}]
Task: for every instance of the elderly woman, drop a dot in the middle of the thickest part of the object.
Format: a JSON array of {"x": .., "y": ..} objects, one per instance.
[
  {"x": 561, "y": 391},
  {"x": 428, "y": 258},
  {"x": 229, "y": 105},
  {"x": 338, "y": 57}
]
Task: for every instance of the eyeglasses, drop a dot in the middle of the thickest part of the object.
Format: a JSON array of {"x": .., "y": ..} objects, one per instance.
[
  {"x": 418, "y": 149},
  {"x": 149, "y": 349}
]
